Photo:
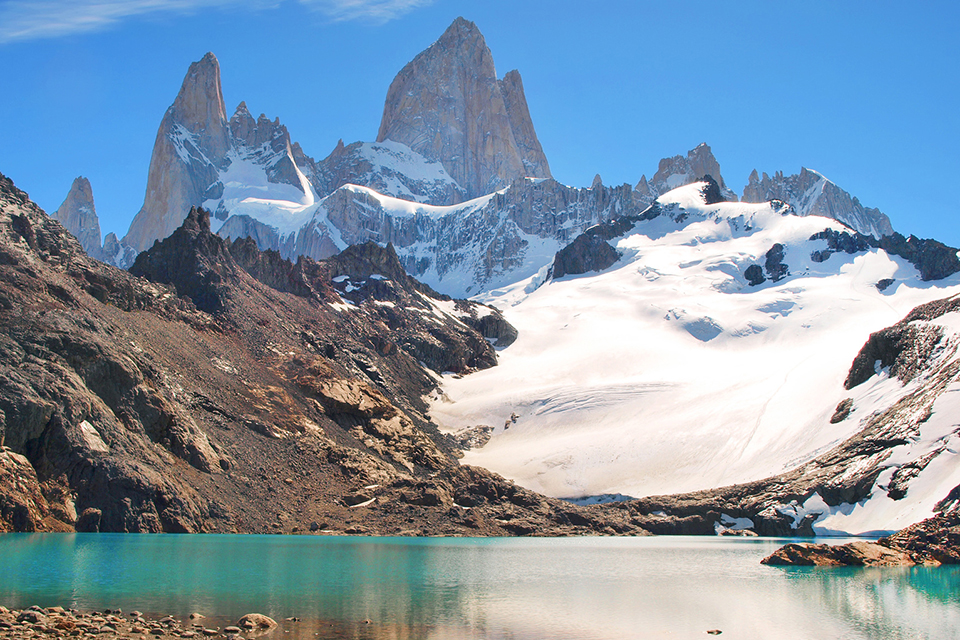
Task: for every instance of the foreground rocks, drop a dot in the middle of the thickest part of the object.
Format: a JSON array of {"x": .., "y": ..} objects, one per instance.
[
  {"x": 57, "y": 622},
  {"x": 935, "y": 541}
]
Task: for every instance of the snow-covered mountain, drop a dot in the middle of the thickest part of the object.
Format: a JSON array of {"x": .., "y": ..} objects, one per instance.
[
  {"x": 671, "y": 338},
  {"x": 712, "y": 351},
  {"x": 457, "y": 179}
]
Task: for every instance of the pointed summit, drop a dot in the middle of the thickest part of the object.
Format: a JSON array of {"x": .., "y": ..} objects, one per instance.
[
  {"x": 199, "y": 106},
  {"x": 448, "y": 105},
  {"x": 79, "y": 216},
  {"x": 191, "y": 147}
]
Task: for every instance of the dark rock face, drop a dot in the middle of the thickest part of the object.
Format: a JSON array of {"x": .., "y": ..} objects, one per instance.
[
  {"x": 195, "y": 261},
  {"x": 842, "y": 411},
  {"x": 711, "y": 191},
  {"x": 904, "y": 347},
  {"x": 591, "y": 251},
  {"x": 125, "y": 407},
  {"x": 754, "y": 275},
  {"x": 774, "y": 265},
  {"x": 934, "y": 260},
  {"x": 588, "y": 252}
]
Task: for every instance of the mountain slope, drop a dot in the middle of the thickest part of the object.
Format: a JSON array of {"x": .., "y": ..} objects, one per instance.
[
  {"x": 669, "y": 371},
  {"x": 898, "y": 468},
  {"x": 237, "y": 391}
]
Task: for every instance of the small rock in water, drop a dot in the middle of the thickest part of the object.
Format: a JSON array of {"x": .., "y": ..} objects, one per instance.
[{"x": 136, "y": 614}]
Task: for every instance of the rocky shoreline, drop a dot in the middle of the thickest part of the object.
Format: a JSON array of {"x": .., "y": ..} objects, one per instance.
[
  {"x": 932, "y": 542},
  {"x": 57, "y": 622}
]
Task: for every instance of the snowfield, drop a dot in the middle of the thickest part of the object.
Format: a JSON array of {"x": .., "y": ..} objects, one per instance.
[{"x": 668, "y": 372}]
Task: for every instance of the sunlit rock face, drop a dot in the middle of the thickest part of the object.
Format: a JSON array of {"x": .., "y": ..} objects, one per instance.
[{"x": 448, "y": 105}]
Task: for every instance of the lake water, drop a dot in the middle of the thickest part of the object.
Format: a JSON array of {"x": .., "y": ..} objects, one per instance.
[{"x": 450, "y": 588}]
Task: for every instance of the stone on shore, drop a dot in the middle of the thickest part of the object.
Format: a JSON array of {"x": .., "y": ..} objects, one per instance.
[{"x": 257, "y": 623}]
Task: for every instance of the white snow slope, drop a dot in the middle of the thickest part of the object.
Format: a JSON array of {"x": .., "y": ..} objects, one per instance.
[{"x": 668, "y": 373}]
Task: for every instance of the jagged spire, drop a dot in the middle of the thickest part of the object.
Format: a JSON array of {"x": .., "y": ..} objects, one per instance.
[{"x": 79, "y": 216}]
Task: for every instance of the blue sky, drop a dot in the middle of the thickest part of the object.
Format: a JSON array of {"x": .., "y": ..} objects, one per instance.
[{"x": 867, "y": 93}]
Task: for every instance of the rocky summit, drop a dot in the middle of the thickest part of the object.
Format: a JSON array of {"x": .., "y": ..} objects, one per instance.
[
  {"x": 222, "y": 388},
  {"x": 448, "y": 105},
  {"x": 809, "y": 193}
]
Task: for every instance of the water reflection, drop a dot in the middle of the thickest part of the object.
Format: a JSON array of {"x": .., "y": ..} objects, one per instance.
[{"x": 592, "y": 588}]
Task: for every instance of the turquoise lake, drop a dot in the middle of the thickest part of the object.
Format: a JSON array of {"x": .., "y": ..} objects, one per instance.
[{"x": 516, "y": 588}]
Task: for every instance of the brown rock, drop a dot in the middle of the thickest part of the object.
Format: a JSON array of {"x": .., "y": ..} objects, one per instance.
[
  {"x": 257, "y": 622},
  {"x": 860, "y": 553}
]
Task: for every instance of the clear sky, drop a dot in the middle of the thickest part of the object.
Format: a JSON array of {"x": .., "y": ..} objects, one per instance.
[{"x": 867, "y": 93}]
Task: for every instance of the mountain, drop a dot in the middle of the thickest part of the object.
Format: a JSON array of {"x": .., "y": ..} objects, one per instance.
[
  {"x": 811, "y": 194},
  {"x": 699, "y": 344},
  {"x": 389, "y": 168},
  {"x": 457, "y": 180},
  {"x": 448, "y": 105},
  {"x": 226, "y": 389},
  {"x": 79, "y": 216},
  {"x": 189, "y": 151}
]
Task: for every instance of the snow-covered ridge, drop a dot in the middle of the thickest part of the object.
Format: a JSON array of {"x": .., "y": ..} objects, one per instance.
[{"x": 669, "y": 372}]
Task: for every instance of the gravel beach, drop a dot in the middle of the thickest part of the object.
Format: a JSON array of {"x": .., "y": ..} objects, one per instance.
[{"x": 57, "y": 622}]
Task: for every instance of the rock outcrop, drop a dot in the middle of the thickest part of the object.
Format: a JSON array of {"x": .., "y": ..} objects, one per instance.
[
  {"x": 811, "y": 194},
  {"x": 934, "y": 541},
  {"x": 448, "y": 105},
  {"x": 934, "y": 260}
]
